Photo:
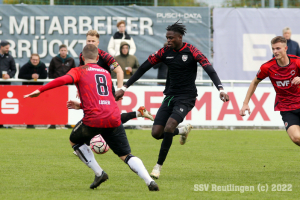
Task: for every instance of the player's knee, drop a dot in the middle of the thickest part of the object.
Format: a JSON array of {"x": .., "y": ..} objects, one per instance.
[
  {"x": 296, "y": 140},
  {"x": 156, "y": 132},
  {"x": 156, "y": 135}
]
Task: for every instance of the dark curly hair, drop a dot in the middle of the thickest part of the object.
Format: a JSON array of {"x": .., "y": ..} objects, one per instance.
[{"x": 177, "y": 27}]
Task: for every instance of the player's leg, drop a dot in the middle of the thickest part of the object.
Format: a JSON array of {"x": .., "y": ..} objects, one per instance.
[
  {"x": 80, "y": 136},
  {"x": 141, "y": 112},
  {"x": 117, "y": 141},
  {"x": 294, "y": 133},
  {"x": 174, "y": 112},
  {"x": 291, "y": 120}
]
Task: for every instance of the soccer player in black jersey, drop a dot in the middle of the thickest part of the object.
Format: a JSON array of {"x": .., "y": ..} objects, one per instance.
[{"x": 180, "y": 91}]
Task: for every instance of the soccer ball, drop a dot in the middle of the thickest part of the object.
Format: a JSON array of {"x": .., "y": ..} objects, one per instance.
[{"x": 98, "y": 145}]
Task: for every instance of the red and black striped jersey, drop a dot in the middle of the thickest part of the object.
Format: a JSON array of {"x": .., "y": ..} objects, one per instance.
[
  {"x": 182, "y": 68},
  {"x": 287, "y": 95},
  {"x": 94, "y": 87},
  {"x": 106, "y": 61}
]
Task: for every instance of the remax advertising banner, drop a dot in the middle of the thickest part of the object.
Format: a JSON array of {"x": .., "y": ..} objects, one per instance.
[
  {"x": 209, "y": 111},
  {"x": 242, "y": 38}
]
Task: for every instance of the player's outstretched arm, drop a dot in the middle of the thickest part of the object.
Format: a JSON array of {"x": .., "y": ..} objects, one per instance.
[
  {"x": 72, "y": 104},
  {"x": 120, "y": 76},
  {"x": 66, "y": 79},
  {"x": 249, "y": 94},
  {"x": 36, "y": 93}
]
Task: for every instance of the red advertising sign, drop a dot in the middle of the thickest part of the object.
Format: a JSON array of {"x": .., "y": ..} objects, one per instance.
[{"x": 48, "y": 108}]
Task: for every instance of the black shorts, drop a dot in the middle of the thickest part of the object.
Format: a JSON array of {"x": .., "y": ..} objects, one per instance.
[
  {"x": 115, "y": 137},
  {"x": 290, "y": 118},
  {"x": 174, "y": 107}
]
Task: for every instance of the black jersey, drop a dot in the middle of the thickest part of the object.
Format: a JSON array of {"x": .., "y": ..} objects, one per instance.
[
  {"x": 105, "y": 61},
  {"x": 182, "y": 68}
]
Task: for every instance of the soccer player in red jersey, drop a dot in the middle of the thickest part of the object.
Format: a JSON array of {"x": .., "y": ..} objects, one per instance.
[
  {"x": 180, "y": 91},
  {"x": 108, "y": 62},
  {"x": 101, "y": 116},
  {"x": 283, "y": 71}
]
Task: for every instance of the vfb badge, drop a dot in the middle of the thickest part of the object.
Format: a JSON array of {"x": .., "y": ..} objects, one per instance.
[{"x": 184, "y": 58}]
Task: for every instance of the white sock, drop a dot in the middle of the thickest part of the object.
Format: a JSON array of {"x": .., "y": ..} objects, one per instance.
[
  {"x": 88, "y": 158},
  {"x": 138, "y": 114},
  {"x": 138, "y": 167},
  {"x": 181, "y": 130}
]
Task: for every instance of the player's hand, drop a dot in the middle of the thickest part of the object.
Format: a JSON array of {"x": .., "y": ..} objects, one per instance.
[
  {"x": 296, "y": 80},
  {"x": 119, "y": 94},
  {"x": 224, "y": 97},
  {"x": 71, "y": 104},
  {"x": 243, "y": 110},
  {"x": 36, "y": 93}
]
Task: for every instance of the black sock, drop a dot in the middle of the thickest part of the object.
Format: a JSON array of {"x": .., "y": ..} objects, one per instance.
[
  {"x": 127, "y": 116},
  {"x": 176, "y": 132},
  {"x": 165, "y": 146}
]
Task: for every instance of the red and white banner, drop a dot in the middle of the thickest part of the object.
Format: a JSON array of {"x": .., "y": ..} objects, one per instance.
[
  {"x": 209, "y": 110},
  {"x": 48, "y": 108}
]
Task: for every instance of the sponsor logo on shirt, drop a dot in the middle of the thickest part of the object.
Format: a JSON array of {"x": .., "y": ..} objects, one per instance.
[
  {"x": 169, "y": 57},
  {"x": 96, "y": 69},
  {"x": 184, "y": 58},
  {"x": 283, "y": 83}
]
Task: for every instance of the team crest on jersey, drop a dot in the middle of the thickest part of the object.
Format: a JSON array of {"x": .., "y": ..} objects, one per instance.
[
  {"x": 184, "y": 58},
  {"x": 293, "y": 72}
]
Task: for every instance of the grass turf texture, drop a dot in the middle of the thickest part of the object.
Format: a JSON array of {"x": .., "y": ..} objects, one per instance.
[{"x": 39, "y": 164}]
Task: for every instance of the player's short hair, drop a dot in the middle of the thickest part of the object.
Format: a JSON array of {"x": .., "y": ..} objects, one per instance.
[
  {"x": 34, "y": 54},
  {"x": 121, "y": 22},
  {"x": 286, "y": 29},
  {"x": 90, "y": 52},
  {"x": 62, "y": 46},
  {"x": 177, "y": 27},
  {"x": 93, "y": 33},
  {"x": 278, "y": 39}
]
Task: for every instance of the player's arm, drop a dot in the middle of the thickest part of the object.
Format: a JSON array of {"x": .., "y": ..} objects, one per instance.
[
  {"x": 120, "y": 75},
  {"x": 152, "y": 60},
  {"x": 114, "y": 66},
  {"x": 203, "y": 61},
  {"x": 217, "y": 82},
  {"x": 249, "y": 94},
  {"x": 71, "y": 77}
]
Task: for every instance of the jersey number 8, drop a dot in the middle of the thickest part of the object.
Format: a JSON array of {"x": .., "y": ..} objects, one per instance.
[{"x": 101, "y": 85}]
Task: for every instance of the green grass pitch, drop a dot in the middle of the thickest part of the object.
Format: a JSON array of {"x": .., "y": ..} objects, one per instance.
[{"x": 39, "y": 164}]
